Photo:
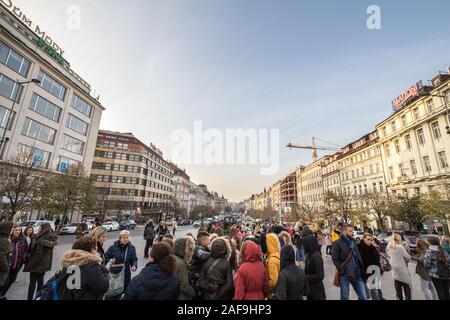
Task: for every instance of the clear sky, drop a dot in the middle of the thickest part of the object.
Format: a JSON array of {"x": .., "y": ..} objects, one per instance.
[{"x": 308, "y": 68}]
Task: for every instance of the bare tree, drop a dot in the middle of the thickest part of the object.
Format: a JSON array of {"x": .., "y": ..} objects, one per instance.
[
  {"x": 377, "y": 205},
  {"x": 341, "y": 202},
  {"x": 18, "y": 181},
  {"x": 308, "y": 211}
]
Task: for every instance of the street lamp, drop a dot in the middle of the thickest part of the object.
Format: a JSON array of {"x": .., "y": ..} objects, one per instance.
[
  {"x": 446, "y": 109},
  {"x": 4, "y": 140}
]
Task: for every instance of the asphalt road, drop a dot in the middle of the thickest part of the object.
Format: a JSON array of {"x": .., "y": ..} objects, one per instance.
[{"x": 19, "y": 290}]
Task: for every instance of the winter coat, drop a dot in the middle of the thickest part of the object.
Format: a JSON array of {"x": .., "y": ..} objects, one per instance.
[
  {"x": 340, "y": 253},
  {"x": 421, "y": 270},
  {"x": 153, "y": 284},
  {"x": 273, "y": 259},
  {"x": 183, "y": 249},
  {"x": 94, "y": 276},
  {"x": 149, "y": 233},
  {"x": 252, "y": 281},
  {"x": 437, "y": 270},
  {"x": 314, "y": 268},
  {"x": 19, "y": 252},
  {"x": 201, "y": 255},
  {"x": 216, "y": 279},
  {"x": 399, "y": 259},
  {"x": 286, "y": 238},
  {"x": 41, "y": 253},
  {"x": 5, "y": 249},
  {"x": 101, "y": 252},
  {"x": 117, "y": 251},
  {"x": 292, "y": 284},
  {"x": 369, "y": 257}
]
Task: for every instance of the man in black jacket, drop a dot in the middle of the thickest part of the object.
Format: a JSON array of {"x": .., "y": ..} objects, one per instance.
[
  {"x": 200, "y": 256},
  {"x": 349, "y": 264}
]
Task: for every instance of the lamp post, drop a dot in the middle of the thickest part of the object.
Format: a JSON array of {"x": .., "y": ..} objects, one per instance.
[
  {"x": 16, "y": 96},
  {"x": 446, "y": 109}
]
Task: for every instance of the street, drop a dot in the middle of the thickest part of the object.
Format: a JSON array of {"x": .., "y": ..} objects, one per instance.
[{"x": 19, "y": 290}]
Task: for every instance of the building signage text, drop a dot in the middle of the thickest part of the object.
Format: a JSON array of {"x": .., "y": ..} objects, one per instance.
[{"x": 414, "y": 91}]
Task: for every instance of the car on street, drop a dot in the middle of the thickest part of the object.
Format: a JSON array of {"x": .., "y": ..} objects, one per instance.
[
  {"x": 429, "y": 236},
  {"x": 36, "y": 225},
  {"x": 69, "y": 229},
  {"x": 358, "y": 234},
  {"x": 185, "y": 222},
  {"x": 169, "y": 222},
  {"x": 196, "y": 223},
  {"x": 412, "y": 244},
  {"x": 111, "y": 226}
]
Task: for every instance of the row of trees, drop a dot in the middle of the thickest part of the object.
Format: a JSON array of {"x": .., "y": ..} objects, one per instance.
[{"x": 28, "y": 188}]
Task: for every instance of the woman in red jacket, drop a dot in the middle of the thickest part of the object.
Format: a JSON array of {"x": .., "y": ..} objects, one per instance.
[{"x": 252, "y": 282}]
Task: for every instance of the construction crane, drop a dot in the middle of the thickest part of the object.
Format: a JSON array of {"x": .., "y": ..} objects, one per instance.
[{"x": 314, "y": 148}]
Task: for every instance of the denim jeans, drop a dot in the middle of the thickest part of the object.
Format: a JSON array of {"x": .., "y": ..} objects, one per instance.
[
  {"x": 358, "y": 286},
  {"x": 428, "y": 290}
]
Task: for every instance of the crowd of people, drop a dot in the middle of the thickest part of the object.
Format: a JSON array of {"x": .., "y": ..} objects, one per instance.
[{"x": 239, "y": 261}]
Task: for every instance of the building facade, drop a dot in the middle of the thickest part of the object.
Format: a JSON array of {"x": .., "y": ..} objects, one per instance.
[
  {"x": 181, "y": 187},
  {"x": 57, "y": 119}
]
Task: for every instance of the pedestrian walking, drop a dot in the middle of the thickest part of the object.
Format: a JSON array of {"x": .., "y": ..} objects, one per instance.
[
  {"x": 5, "y": 249},
  {"x": 123, "y": 256},
  {"x": 174, "y": 227},
  {"x": 100, "y": 235},
  {"x": 437, "y": 261},
  {"x": 349, "y": 265},
  {"x": 272, "y": 260},
  {"x": 370, "y": 258},
  {"x": 149, "y": 237},
  {"x": 17, "y": 257},
  {"x": 292, "y": 283},
  {"x": 252, "y": 281},
  {"x": 426, "y": 284},
  {"x": 158, "y": 280},
  {"x": 183, "y": 250},
  {"x": 314, "y": 270},
  {"x": 94, "y": 278},
  {"x": 216, "y": 279},
  {"x": 40, "y": 258},
  {"x": 399, "y": 259}
]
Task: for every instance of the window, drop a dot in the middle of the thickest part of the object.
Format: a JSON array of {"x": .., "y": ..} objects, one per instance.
[
  {"x": 10, "y": 89},
  {"x": 121, "y": 145},
  {"x": 5, "y": 121},
  {"x": 403, "y": 119},
  {"x": 430, "y": 106},
  {"x": 391, "y": 172},
  {"x": 377, "y": 166},
  {"x": 381, "y": 186},
  {"x": 40, "y": 157},
  {"x": 443, "y": 159},
  {"x": 388, "y": 151},
  {"x": 435, "y": 129},
  {"x": 66, "y": 163},
  {"x": 38, "y": 131},
  {"x": 76, "y": 124},
  {"x": 412, "y": 163},
  {"x": 416, "y": 114},
  {"x": 45, "y": 108},
  {"x": 397, "y": 146},
  {"x": 81, "y": 105},
  {"x": 13, "y": 60},
  {"x": 393, "y": 127},
  {"x": 71, "y": 144},
  {"x": 371, "y": 168},
  {"x": 421, "y": 136},
  {"x": 51, "y": 85},
  {"x": 374, "y": 187},
  {"x": 384, "y": 132},
  {"x": 400, "y": 169},
  {"x": 426, "y": 163},
  {"x": 408, "y": 142}
]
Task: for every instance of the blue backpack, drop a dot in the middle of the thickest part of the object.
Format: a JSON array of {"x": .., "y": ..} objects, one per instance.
[{"x": 55, "y": 288}]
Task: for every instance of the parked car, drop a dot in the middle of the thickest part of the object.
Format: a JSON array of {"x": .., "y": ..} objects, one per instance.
[
  {"x": 185, "y": 222},
  {"x": 412, "y": 243},
  {"x": 111, "y": 226},
  {"x": 358, "y": 234},
  {"x": 169, "y": 222},
  {"x": 429, "y": 236},
  {"x": 69, "y": 229},
  {"x": 37, "y": 224},
  {"x": 196, "y": 223},
  {"x": 127, "y": 225}
]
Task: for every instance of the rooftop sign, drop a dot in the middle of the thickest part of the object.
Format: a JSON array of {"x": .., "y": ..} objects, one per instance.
[{"x": 412, "y": 92}]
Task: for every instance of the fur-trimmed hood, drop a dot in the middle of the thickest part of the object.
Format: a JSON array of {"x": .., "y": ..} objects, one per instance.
[
  {"x": 286, "y": 237},
  {"x": 184, "y": 248},
  {"x": 220, "y": 248},
  {"x": 78, "y": 258}
]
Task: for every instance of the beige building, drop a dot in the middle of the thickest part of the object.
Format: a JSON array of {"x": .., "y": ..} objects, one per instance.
[
  {"x": 311, "y": 186},
  {"x": 57, "y": 119},
  {"x": 181, "y": 187}
]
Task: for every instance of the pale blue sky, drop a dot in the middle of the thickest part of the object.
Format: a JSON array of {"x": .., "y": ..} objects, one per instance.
[{"x": 308, "y": 68}]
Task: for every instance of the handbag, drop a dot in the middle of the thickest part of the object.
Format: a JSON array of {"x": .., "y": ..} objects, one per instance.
[
  {"x": 337, "y": 275},
  {"x": 117, "y": 281}
]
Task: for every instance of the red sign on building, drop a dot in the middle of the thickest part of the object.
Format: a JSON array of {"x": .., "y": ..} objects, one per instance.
[{"x": 412, "y": 92}]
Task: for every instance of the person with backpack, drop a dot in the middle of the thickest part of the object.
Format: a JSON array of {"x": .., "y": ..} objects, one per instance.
[
  {"x": 149, "y": 237},
  {"x": 183, "y": 249},
  {"x": 201, "y": 255},
  {"x": 426, "y": 284},
  {"x": 40, "y": 258},
  {"x": 437, "y": 262},
  {"x": 292, "y": 283},
  {"x": 252, "y": 281},
  {"x": 123, "y": 256},
  {"x": 94, "y": 277},
  {"x": 17, "y": 257},
  {"x": 273, "y": 260},
  {"x": 314, "y": 270},
  {"x": 158, "y": 280},
  {"x": 216, "y": 279},
  {"x": 5, "y": 249},
  {"x": 349, "y": 265}
]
